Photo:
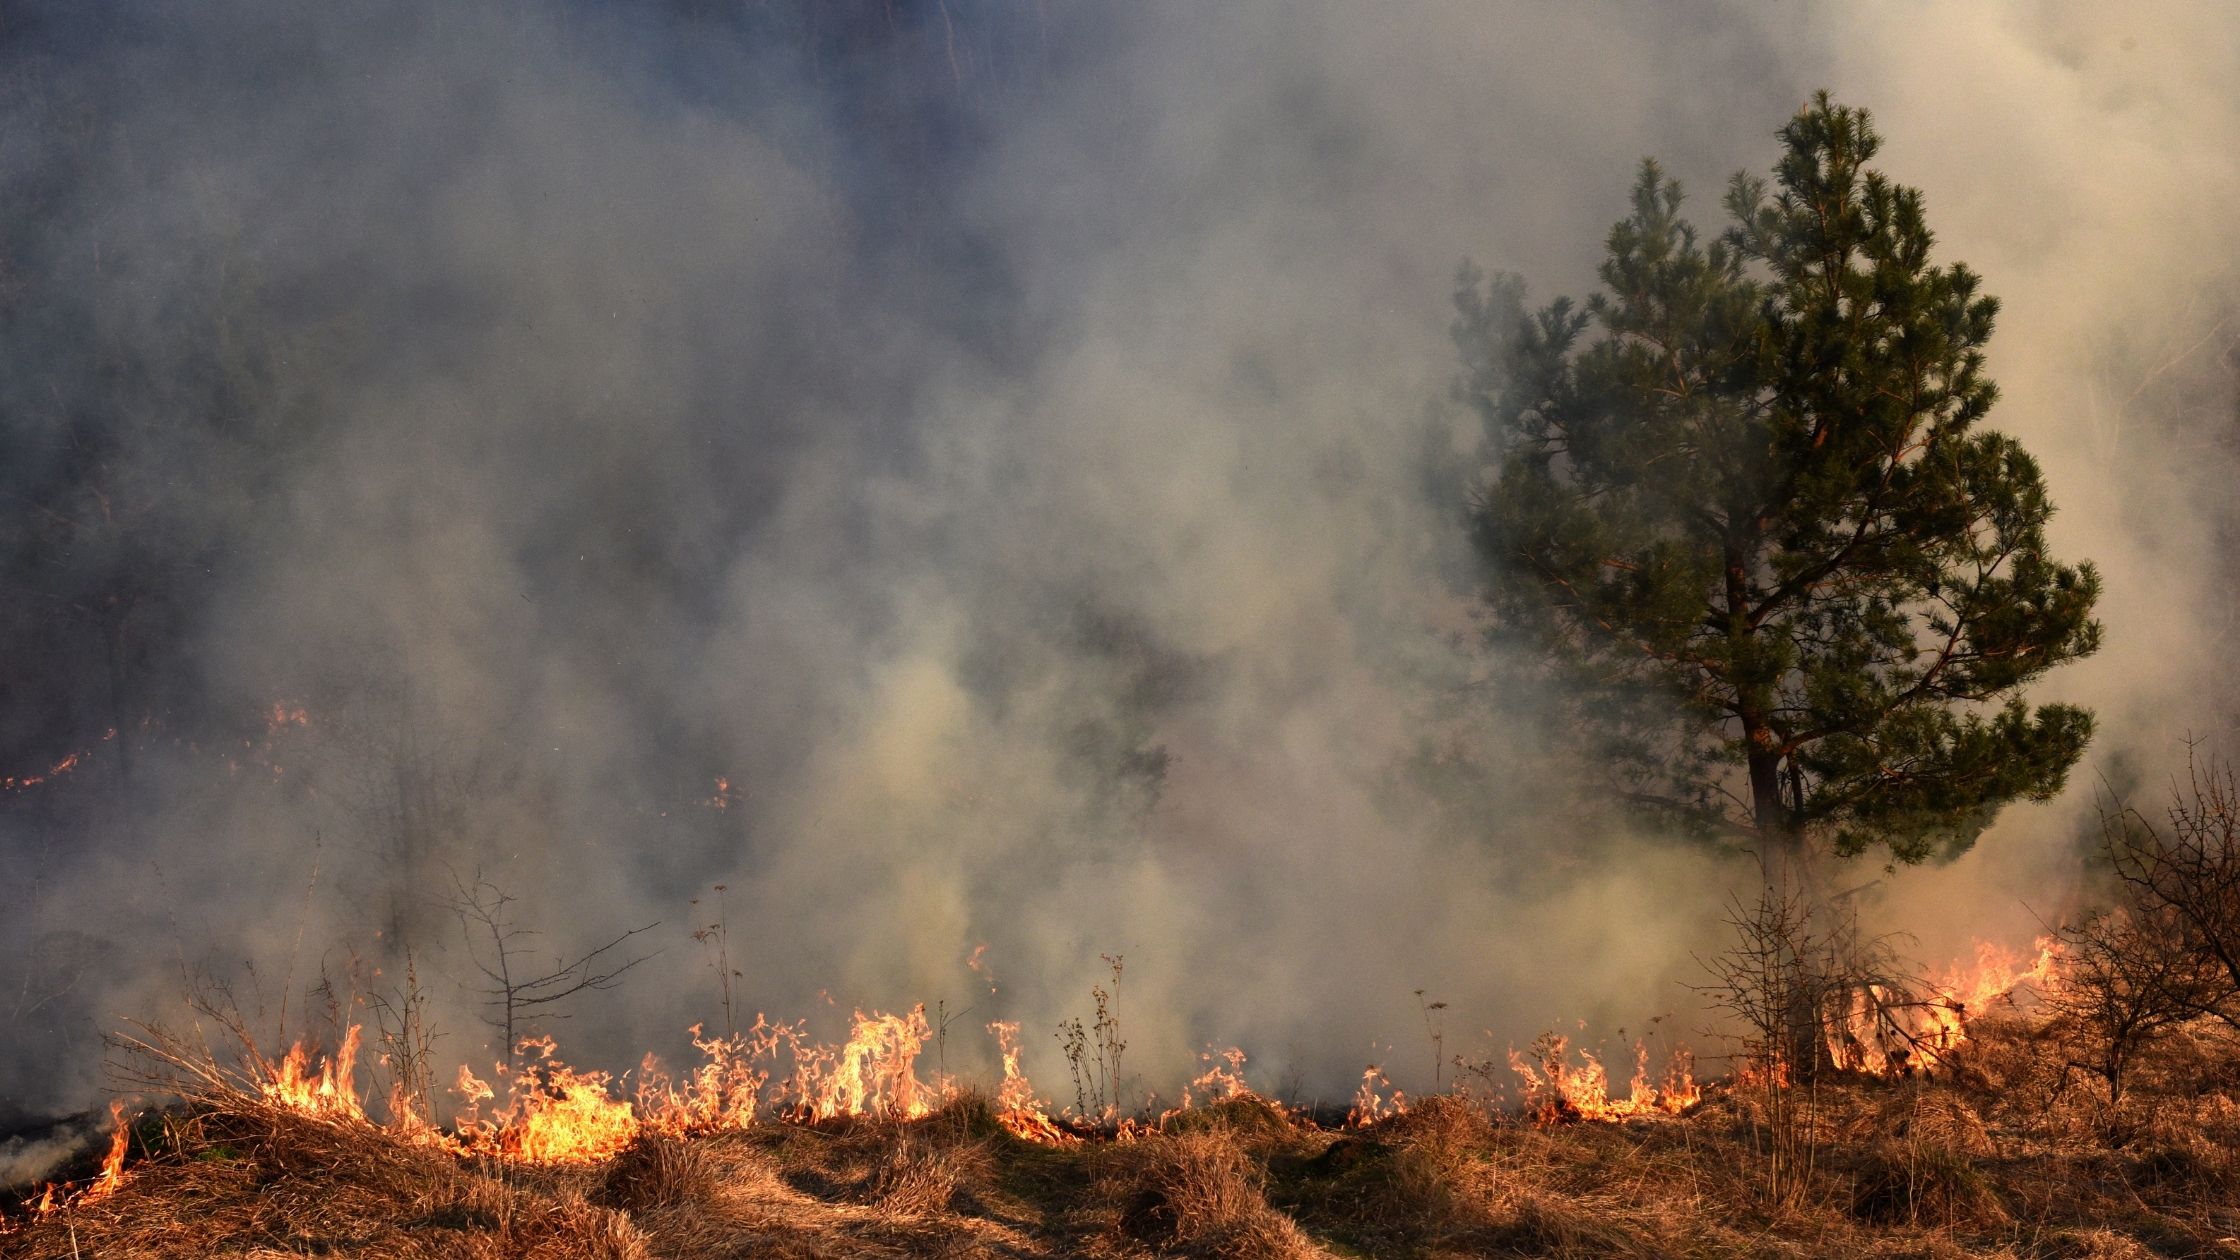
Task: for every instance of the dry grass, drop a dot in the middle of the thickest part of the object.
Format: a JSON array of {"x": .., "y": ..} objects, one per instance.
[{"x": 2009, "y": 1153}]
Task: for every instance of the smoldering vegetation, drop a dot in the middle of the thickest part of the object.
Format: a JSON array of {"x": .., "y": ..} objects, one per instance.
[{"x": 955, "y": 474}]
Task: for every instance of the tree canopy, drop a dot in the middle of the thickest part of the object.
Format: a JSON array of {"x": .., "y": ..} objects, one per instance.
[{"x": 1743, "y": 513}]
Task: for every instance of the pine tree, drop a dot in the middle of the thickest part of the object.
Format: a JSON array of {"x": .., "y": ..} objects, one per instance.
[{"x": 1743, "y": 513}]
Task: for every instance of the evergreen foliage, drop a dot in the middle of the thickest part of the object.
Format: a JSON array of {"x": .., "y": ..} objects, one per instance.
[{"x": 1742, "y": 507}]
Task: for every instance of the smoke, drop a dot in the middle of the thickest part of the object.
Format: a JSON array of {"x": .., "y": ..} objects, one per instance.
[{"x": 994, "y": 441}]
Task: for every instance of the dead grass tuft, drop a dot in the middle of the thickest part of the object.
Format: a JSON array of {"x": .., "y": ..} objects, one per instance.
[
  {"x": 1924, "y": 1186},
  {"x": 657, "y": 1171},
  {"x": 1918, "y": 1117},
  {"x": 1197, "y": 1194},
  {"x": 927, "y": 1178}
]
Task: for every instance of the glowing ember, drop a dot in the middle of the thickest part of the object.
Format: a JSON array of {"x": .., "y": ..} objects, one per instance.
[
  {"x": 1554, "y": 1090},
  {"x": 12, "y": 783}
]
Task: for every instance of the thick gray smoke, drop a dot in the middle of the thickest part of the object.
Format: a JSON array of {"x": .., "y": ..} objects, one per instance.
[{"x": 999, "y": 443}]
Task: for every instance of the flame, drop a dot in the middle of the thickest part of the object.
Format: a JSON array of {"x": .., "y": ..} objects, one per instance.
[
  {"x": 112, "y": 1164},
  {"x": 327, "y": 1093},
  {"x": 724, "y": 1092},
  {"x": 284, "y": 716},
  {"x": 722, "y": 798},
  {"x": 1369, "y": 1106},
  {"x": 562, "y": 1117},
  {"x": 873, "y": 1074},
  {"x": 1554, "y": 1090},
  {"x": 1884, "y": 1031},
  {"x": 1017, "y": 1109},
  {"x": 406, "y": 1122},
  {"x": 56, "y": 1196},
  {"x": 1223, "y": 1078}
]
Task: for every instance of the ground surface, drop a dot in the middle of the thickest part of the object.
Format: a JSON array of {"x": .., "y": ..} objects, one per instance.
[{"x": 2006, "y": 1154}]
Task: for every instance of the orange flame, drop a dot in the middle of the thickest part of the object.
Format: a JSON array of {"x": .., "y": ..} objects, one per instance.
[
  {"x": 327, "y": 1093},
  {"x": 722, "y": 1093},
  {"x": 873, "y": 1074},
  {"x": 112, "y": 1164},
  {"x": 1017, "y": 1108},
  {"x": 56, "y": 1196},
  {"x": 1883, "y": 1031},
  {"x": 562, "y": 1117},
  {"x": 1369, "y": 1104},
  {"x": 1223, "y": 1078},
  {"x": 1555, "y": 1091},
  {"x": 69, "y": 762}
]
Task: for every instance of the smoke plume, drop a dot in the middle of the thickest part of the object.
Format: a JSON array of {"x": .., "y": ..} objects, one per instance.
[{"x": 949, "y": 474}]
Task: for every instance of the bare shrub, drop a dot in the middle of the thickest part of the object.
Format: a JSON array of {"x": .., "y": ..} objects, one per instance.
[
  {"x": 2127, "y": 976},
  {"x": 2182, "y": 877},
  {"x": 2168, "y": 951},
  {"x": 1772, "y": 980}
]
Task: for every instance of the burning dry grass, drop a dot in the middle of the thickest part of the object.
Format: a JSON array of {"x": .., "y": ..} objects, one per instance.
[{"x": 2006, "y": 1151}]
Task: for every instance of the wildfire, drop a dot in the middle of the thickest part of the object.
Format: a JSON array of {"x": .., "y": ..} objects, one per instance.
[
  {"x": 1884, "y": 1031},
  {"x": 1370, "y": 1103},
  {"x": 1223, "y": 1078},
  {"x": 1554, "y": 1090},
  {"x": 562, "y": 1117},
  {"x": 54, "y": 1198},
  {"x": 874, "y": 1074},
  {"x": 1017, "y": 1109},
  {"x": 724, "y": 1092},
  {"x": 15, "y": 783},
  {"x": 112, "y": 1164},
  {"x": 326, "y": 1093}
]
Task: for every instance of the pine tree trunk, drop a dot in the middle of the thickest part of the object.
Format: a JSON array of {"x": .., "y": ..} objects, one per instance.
[{"x": 1778, "y": 842}]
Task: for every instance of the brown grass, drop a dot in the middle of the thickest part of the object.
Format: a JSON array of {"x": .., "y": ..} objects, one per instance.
[{"x": 2004, "y": 1154}]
